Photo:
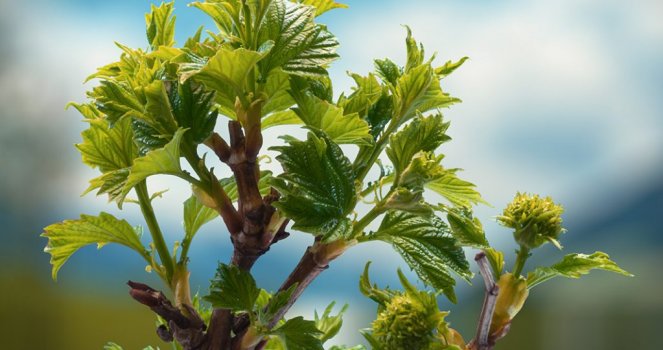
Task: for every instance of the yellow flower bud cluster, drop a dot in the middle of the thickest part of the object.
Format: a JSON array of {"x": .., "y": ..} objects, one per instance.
[
  {"x": 535, "y": 220},
  {"x": 405, "y": 323}
]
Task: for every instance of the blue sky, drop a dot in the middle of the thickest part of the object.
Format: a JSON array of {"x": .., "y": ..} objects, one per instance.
[{"x": 562, "y": 98}]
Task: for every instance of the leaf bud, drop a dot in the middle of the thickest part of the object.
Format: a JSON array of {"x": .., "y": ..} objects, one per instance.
[{"x": 510, "y": 300}]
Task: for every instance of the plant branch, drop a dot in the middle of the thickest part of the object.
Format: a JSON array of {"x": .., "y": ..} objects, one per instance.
[
  {"x": 188, "y": 330},
  {"x": 155, "y": 230},
  {"x": 315, "y": 260},
  {"x": 482, "y": 341}
]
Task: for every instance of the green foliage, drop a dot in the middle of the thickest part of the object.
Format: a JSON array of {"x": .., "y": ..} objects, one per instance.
[
  {"x": 66, "y": 237},
  {"x": 196, "y": 214},
  {"x": 317, "y": 186},
  {"x": 161, "y": 25},
  {"x": 300, "y": 46},
  {"x": 496, "y": 260},
  {"x": 427, "y": 246},
  {"x": 192, "y": 109},
  {"x": 299, "y": 334},
  {"x": 267, "y": 66},
  {"x": 423, "y": 134},
  {"x": 226, "y": 73},
  {"x": 165, "y": 160},
  {"x": 233, "y": 289},
  {"x": 320, "y": 115},
  {"x": 574, "y": 266},
  {"x": 329, "y": 325},
  {"x": 322, "y": 6},
  {"x": 466, "y": 229},
  {"x": 458, "y": 192}
]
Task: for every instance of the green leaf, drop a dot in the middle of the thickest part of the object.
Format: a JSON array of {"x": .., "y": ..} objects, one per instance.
[
  {"x": 427, "y": 246},
  {"x": 300, "y": 47},
  {"x": 320, "y": 115},
  {"x": 380, "y": 296},
  {"x": 165, "y": 160},
  {"x": 159, "y": 112},
  {"x": 111, "y": 183},
  {"x": 459, "y": 192},
  {"x": 226, "y": 73},
  {"x": 288, "y": 117},
  {"x": 195, "y": 216},
  {"x": 496, "y": 260},
  {"x": 322, "y": 6},
  {"x": 223, "y": 14},
  {"x": 367, "y": 92},
  {"x": 107, "y": 148},
  {"x": 116, "y": 101},
  {"x": 380, "y": 114},
  {"x": 466, "y": 229},
  {"x": 422, "y": 134},
  {"x": 449, "y": 67},
  {"x": 299, "y": 334},
  {"x": 276, "y": 95},
  {"x": 146, "y": 137},
  {"x": 66, "y": 237},
  {"x": 233, "y": 289},
  {"x": 327, "y": 324},
  {"x": 415, "y": 52},
  {"x": 423, "y": 168},
  {"x": 574, "y": 266},
  {"x": 161, "y": 25},
  {"x": 192, "y": 109},
  {"x": 87, "y": 110},
  {"x": 388, "y": 71},
  {"x": 274, "y": 304},
  {"x": 408, "y": 200},
  {"x": 317, "y": 185},
  {"x": 419, "y": 91}
]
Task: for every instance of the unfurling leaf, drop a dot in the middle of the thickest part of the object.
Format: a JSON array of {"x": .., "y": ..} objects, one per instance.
[
  {"x": 574, "y": 266},
  {"x": 423, "y": 134},
  {"x": 327, "y": 324},
  {"x": 161, "y": 25},
  {"x": 233, "y": 289},
  {"x": 496, "y": 260},
  {"x": 66, "y": 237}
]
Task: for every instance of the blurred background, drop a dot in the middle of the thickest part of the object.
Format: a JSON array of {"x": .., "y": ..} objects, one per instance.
[{"x": 562, "y": 98}]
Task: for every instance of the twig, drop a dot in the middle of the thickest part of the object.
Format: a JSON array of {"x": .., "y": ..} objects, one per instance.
[
  {"x": 188, "y": 330},
  {"x": 482, "y": 341}
]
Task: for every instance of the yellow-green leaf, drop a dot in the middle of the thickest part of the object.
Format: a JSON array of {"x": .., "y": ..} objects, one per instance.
[
  {"x": 165, "y": 160},
  {"x": 574, "y": 266},
  {"x": 66, "y": 237}
]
